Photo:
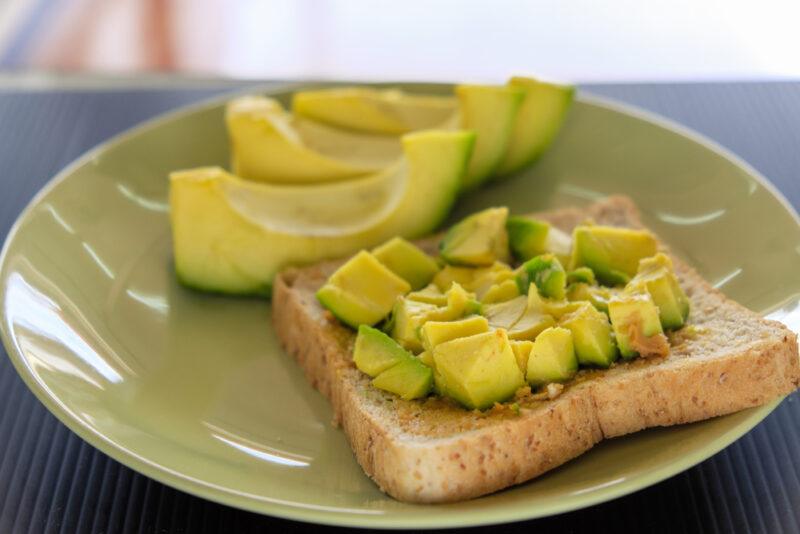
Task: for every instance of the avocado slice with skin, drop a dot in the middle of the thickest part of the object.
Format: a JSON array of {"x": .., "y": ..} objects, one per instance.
[
  {"x": 385, "y": 112},
  {"x": 407, "y": 261},
  {"x": 478, "y": 240},
  {"x": 270, "y": 145},
  {"x": 552, "y": 357},
  {"x": 374, "y": 351},
  {"x": 362, "y": 291},
  {"x": 409, "y": 379},
  {"x": 591, "y": 335},
  {"x": 490, "y": 111},
  {"x": 479, "y": 370},
  {"x": 637, "y": 326},
  {"x": 540, "y": 117},
  {"x": 612, "y": 253},
  {"x": 232, "y": 235}
]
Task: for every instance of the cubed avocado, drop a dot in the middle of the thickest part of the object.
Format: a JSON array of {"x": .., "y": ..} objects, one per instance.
[
  {"x": 410, "y": 379},
  {"x": 484, "y": 278},
  {"x": 560, "y": 244},
  {"x": 581, "y": 274},
  {"x": 522, "y": 317},
  {"x": 430, "y": 294},
  {"x": 480, "y": 239},
  {"x": 505, "y": 314},
  {"x": 450, "y": 274},
  {"x": 591, "y": 335},
  {"x": 526, "y": 237},
  {"x": 522, "y": 350},
  {"x": 598, "y": 296},
  {"x": 547, "y": 273},
  {"x": 436, "y": 332},
  {"x": 479, "y": 370},
  {"x": 612, "y": 253},
  {"x": 637, "y": 326},
  {"x": 375, "y": 352},
  {"x": 426, "y": 358},
  {"x": 362, "y": 291},
  {"x": 503, "y": 291},
  {"x": 552, "y": 357},
  {"x": 407, "y": 261},
  {"x": 656, "y": 277}
]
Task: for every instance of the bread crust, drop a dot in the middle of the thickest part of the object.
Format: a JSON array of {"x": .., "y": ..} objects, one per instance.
[{"x": 430, "y": 452}]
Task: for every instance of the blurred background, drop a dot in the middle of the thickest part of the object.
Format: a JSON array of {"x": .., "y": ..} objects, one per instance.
[{"x": 581, "y": 40}]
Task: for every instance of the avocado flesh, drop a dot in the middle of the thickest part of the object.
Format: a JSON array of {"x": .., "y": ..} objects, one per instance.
[
  {"x": 547, "y": 273},
  {"x": 429, "y": 294},
  {"x": 479, "y": 370},
  {"x": 407, "y": 261},
  {"x": 598, "y": 296},
  {"x": 489, "y": 111},
  {"x": 656, "y": 277},
  {"x": 269, "y": 145},
  {"x": 362, "y": 291},
  {"x": 612, "y": 253},
  {"x": 518, "y": 318},
  {"x": 552, "y": 357},
  {"x": 637, "y": 326},
  {"x": 591, "y": 335},
  {"x": 409, "y": 316},
  {"x": 541, "y": 114},
  {"x": 232, "y": 236},
  {"x": 437, "y": 332},
  {"x": 581, "y": 275},
  {"x": 522, "y": 351},
  {"x": 501, "y": 292},
  {"x": 409, "y": 379},
  {"x": 375, "y": 352},
  {"x": 377, "y": 111},
  {"x": 478, "y": 240},
  {"x": 527, "y": 237}
]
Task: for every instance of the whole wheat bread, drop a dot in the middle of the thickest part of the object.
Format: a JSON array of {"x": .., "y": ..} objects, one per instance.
[{"x": 433, "y": 451}]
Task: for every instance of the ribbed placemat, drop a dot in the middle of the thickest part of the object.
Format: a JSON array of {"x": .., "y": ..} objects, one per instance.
[{"x": 52, "y": 481}]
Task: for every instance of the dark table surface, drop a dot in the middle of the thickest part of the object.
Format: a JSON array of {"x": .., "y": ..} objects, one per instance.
[{"x": 52, "y": 481}]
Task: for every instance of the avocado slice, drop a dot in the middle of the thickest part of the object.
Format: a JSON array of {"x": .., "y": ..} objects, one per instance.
[
  {"x": 436, "y": 332},
  {"x": 552, "y": 357},
  {"x": 362, "y": 291},
  {"x": 591, "y": 335},
  {"x": 232, "y": 235},
  {"x": 479, "y": 370},
  {"x": 378, "y": 111},
  {"x": 527, "y": 237},
  {"x": 409, "y": 379},
  {"x": 269, "y": 145},
  {"x": 547, "y": 273},
  {"x": 478, "y": 240},
  {"x": 637, "y": 326},
  {"x": 407, "y": 261},
  {"x": 657, "y": 277},
  {"x": 612, "y": 253},
  {"x": 541, "y": 114},
  {"x": 489, "y": 111},
  {"x": 374, "y": 351}
]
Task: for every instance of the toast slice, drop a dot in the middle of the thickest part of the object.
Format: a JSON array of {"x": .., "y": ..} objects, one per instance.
[{"x": 433, "y": 451}]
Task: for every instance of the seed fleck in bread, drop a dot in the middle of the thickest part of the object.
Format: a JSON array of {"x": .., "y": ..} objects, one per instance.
[{"x": 434, "y": 451}]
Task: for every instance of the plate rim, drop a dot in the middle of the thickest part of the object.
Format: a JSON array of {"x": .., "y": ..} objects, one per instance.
[{"x": 331, "y": 515}]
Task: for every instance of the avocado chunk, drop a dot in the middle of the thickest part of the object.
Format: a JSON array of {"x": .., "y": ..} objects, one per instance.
[
  {"x": 559, "y": 308},
  {"x": 581, "y": 275},
  {"x": 598, "y": 296},
  {"x": 503, "y": 291},
  {"x": 478, "y": 240},
  {"x": 522, "y": 317},
  {"x": 426, "y": 358},
  {"x": 543, "y": 110},
  {"x": 429, "y": 294},
  {"x": 375, "y": 352},
  {"x": 637, "y": 326},
  {"x": 408, "y": 316},
  {"x": 409, "y": 379},
  {"x": 490, "y": 112},
  {"x": 552, "y": 357},
  {"x": 522, "y": 350},
  {"x": 450, "y": 274},
  {"x": 527, "y": 237},
  {"x": 362, "y": 291},
  {"x": 547, "y": 273},
  {"x": 656, "y": 277},
  {"x": 612, "y": 253},
  {"x": 560, "y": 244},
  {"x": 407, "y": 261},
  {"x": 479, "y": 370},
  {"x": 436, "y": 332},
  {"x": 591, "y": 335}
]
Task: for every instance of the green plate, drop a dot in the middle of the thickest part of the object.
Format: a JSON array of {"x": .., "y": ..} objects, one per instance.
[{"x": 194, "y": 390}]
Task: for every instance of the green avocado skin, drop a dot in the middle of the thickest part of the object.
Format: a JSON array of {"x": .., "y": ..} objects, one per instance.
[{"x": 257, "y": 291}]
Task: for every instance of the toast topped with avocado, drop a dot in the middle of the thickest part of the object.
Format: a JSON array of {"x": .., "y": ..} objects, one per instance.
[{"x": 501, "y": 369}]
